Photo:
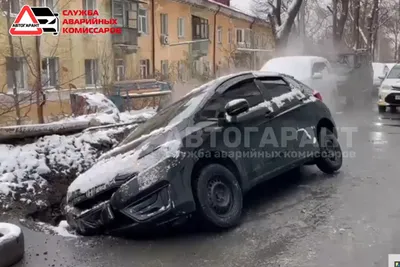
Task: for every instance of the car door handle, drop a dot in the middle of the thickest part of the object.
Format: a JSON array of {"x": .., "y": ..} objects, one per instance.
[{"x": 268, "y": 113}]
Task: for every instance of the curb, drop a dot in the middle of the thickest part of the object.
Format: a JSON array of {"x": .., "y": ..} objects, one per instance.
[{"x": 11, "y": 244}]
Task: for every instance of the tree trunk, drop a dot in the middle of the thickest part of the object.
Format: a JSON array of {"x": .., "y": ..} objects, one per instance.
[
  {"x": 370, "y": 24},
  {"x": 40, "y": 96},
  {"x": 286, "y": 27},
  {"x": 14, "y": 75},
  {"x": 356, "y": 25},
  {"x": 341, "y": 22}
]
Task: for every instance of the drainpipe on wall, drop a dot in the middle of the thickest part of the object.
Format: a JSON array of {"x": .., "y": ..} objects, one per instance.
[
  {"x": 153, "y": 37},
  {"x": 215, "y": 42},
  {"x": 253, "y": 58}
]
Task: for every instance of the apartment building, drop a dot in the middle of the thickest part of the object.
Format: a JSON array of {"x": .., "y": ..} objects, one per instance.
[
  {"x": 199, "y": 36},
  {"x": 167, "y": 39}
]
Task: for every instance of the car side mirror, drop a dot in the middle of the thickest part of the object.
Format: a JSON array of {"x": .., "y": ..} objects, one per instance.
[
  {"x": 381, "y": 77},
  {"x": 317, "y": 76},
  {"x": 236, "y": 107}
]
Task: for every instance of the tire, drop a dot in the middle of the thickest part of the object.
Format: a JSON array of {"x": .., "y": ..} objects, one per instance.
[
  {"x": 11, "y": 244},
  {"x": 393, "y": 109},
  {"x": 330, "y": 159},
  {"x": 381, "y": 109},
  {"x": 218, "y": 215}
]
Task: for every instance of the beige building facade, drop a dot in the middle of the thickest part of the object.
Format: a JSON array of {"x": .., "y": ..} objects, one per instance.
[{"x": 165, "y": 39}]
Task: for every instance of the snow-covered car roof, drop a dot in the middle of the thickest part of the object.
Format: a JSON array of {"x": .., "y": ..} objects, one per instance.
[{"x": 297, "y": 66}]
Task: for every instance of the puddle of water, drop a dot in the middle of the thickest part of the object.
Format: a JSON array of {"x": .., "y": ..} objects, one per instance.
[{"x": 377, "y": 138}]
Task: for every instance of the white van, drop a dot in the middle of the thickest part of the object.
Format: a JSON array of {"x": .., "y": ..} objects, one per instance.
[{"x": 315, "y": 72}]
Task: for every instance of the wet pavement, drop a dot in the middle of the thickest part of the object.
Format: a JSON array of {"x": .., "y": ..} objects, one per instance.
[{"x": 348, "y": 219}]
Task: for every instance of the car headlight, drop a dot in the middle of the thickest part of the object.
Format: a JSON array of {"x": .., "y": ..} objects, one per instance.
[{"x": 385, "y": 87}]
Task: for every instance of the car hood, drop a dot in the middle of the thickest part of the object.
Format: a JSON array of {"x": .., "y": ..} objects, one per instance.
[
  {"x": 391, "y": 82},
  {"x": 123, "y": 162}
]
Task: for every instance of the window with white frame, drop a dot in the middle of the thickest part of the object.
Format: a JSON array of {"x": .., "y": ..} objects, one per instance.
[
  {"x": 230, "y": 37},
  {"x": 18, "y": 66},
  {"x": 144, "y": 68},
  {"x": 181, "y": 27},
  {"x": 119, "y": 70},
  {"x": 219, "y": 35},
  {"x": 91, "y": 72},
  {"x": 164, "y": 24},
  {"x": 143, "y": 21},
  {"x": 239, "y": 36},
  {"x": 14, "y": 6},
  {"x": 50, "y": 72},
  {"x": 89, "y": 5}
]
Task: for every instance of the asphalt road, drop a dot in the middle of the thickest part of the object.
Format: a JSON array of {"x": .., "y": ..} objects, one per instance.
[{"x": 349, "y": 219}]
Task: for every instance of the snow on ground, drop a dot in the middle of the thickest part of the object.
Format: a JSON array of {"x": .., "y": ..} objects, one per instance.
[
  {"x": 63, "y": 229},
  {"x": 35, "y": 176}
]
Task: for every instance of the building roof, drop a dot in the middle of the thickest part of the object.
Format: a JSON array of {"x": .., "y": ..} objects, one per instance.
[{"x": 227, "y": 10}]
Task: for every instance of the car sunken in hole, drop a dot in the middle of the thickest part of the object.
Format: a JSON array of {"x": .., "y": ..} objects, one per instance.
[{"x": 183, "y": 160}]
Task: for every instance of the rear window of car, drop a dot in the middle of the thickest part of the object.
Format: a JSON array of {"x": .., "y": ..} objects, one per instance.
[{"x": 301, "y": 86}]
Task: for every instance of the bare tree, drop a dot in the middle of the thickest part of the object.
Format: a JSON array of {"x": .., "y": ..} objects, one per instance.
[
  {"x": 281, "y": 14},
  {"x": 15, "y": 94}
]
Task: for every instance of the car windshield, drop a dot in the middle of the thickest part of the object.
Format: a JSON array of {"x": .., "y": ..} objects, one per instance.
[
  {"x": 170, "y": 115},
  {"x": 394, "y": 73}
]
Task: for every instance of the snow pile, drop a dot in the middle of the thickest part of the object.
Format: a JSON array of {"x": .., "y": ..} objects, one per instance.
[
  {"x": 63, "y": 229},
  {"x": 35, "y": 176},
  {"x": 9, "y": 231}
]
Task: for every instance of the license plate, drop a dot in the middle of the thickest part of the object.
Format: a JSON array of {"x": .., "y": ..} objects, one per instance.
[{"x": 397, "y": 97}]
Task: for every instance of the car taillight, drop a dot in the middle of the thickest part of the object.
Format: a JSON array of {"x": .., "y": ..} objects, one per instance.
[{"x": 318, "y": 95}]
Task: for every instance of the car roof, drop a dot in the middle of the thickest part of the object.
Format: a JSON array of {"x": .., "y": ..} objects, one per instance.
[
  {"x": 301, "y": 58},
  {"x": 245, "y": 74}
]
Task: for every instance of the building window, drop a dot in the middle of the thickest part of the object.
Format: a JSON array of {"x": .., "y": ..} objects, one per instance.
[
  {"x": 200, "y": 28},
  {"x": 143, "y": 22},
  {"x": 89, "y": 5},
  {"x": 50, "y": 72},
  {"x": 219, "y": 35},
  {"x": 164, "y": 24},
  {"x": 164, "y": 68},
  {"x": 48, "y": 3},
  {"x": 91, "y": 71},
  {"x": 144, "y": 68},
  {"x": 18, "y": 66},
  {"x": 181, "y": 27},
  {"x": 126, "y": 13},
  {"x": 230, "y": 36},
  {"x": 119, "y": 70},
  {"x": 14, "y": 6},
  {"x": 239, "y": 36}
]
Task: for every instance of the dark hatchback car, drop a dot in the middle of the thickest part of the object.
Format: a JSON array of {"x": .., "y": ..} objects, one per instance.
[{"x": 203, "y": 152}]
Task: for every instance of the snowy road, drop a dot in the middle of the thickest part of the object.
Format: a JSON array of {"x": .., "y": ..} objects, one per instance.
[{"x": 352, "y": 219}]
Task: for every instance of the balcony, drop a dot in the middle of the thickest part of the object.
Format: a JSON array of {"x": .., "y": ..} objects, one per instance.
[
  {"x": 128, "y": 38},
  {"x": 199, "y": 48}
]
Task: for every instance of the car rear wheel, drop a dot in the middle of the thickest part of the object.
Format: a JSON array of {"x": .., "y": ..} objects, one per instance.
[
  {"x": 330, "y": 159},
  {"x": 382, "y": 109},
  {"x": 218, "y": 196}
]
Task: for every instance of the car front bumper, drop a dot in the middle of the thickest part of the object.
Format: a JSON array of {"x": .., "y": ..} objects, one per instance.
[
  {"x": 131, "y": 208},
  {"x": 388, "y": 98}
]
